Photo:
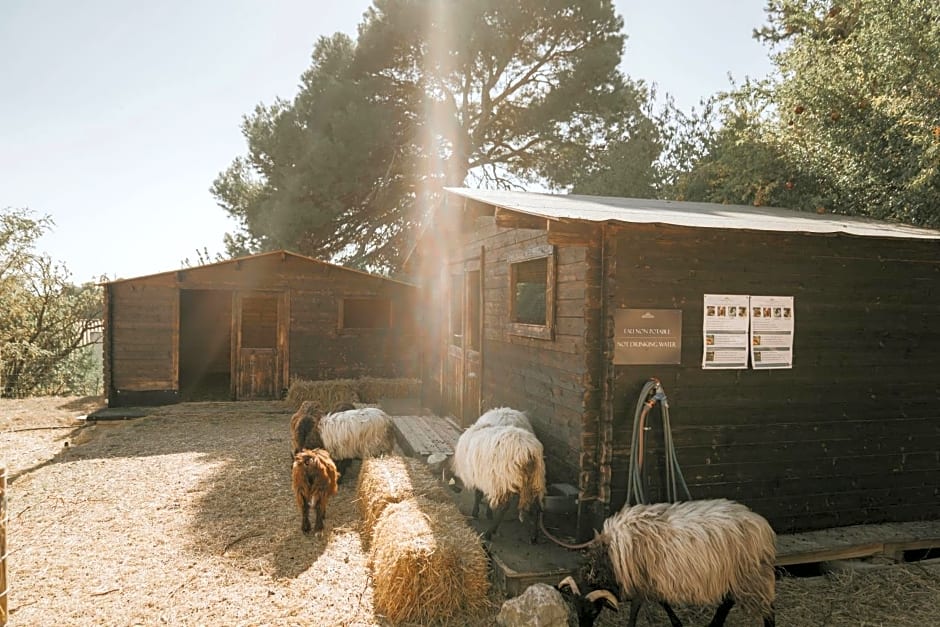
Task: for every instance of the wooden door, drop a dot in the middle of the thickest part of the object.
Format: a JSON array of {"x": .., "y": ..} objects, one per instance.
[
  {"x": 463, "y": 365},
  {"x": 260, "y": 336},
  {"x": 473, "y": 346}
]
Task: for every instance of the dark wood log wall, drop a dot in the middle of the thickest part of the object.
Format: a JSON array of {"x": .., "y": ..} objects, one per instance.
[
  {"x": 852, "y": 433},
  {"x": 321, "y": 350},
  {"x": 143, "y": 329},
  {"x": 542, "y": 376}
]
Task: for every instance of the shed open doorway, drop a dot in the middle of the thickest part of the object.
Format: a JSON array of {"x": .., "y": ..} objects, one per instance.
[{"x": 205, "y": 351}]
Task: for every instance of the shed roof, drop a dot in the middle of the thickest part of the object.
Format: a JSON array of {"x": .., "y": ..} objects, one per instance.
[
  {"x": 250, "y": 258},
  {"x": 690, "y": 214}
]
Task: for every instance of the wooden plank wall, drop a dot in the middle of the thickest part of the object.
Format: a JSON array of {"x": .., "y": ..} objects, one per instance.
[
  {"x": 320, "y": 350},
  {"x": 144, "y": 335},
  {"x": 541, "y": 376},
  {"x": 144, "y": 330},
  {"x": 852, "y": 433}
]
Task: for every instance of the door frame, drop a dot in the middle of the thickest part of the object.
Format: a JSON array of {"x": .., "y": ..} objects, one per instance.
[
  {"x": 463, "y": 366},
  {"x": 282, "y": 344}
]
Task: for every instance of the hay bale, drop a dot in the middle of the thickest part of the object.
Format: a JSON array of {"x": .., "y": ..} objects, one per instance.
[
  {"x": 385, "y": 480},
  {"x": 327, "y": 394},
  {"x": 373, "y": 389},
  {"x": 427, "y": 564}
]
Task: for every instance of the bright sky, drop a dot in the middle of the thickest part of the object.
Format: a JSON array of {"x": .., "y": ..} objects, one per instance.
[{"x": 116, "y": 116}]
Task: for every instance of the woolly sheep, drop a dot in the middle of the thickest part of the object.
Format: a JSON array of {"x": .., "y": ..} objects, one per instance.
[
  {"x": 585, "y": 608},
  {"x": 707, "y": 552},
  {"x": 356, "y": 434},
  {"x": 304, "y": 428},
  {"x": 313, "y": 478},
  {"x": 500, "y": 462},
  {"x": 503, "y": 417}
]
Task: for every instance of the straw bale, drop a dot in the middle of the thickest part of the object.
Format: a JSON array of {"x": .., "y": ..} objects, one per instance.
[
  {"x": 389, "y": 479},
  {"x": 327, "y": 394},
  {"x": 365, "y": 390},
  {"x": 372, "y": 389},
  {"x": 428, "y": 565}
]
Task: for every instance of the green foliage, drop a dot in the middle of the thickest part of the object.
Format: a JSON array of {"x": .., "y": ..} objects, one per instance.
[
  {"x": 850, "y": 125},
  {"x": 433, "y": 93},
  {"x": 46, "y": 322}
]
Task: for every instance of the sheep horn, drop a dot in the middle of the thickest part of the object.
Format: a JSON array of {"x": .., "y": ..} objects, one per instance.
[
  {"x": 605, "y": 595},
  {"x": 574, "y": 547},
  {"x": 569, "y": 581}
]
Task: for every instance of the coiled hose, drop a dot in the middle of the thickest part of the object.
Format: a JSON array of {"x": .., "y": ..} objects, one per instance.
[{"x": 652, "y": 393}]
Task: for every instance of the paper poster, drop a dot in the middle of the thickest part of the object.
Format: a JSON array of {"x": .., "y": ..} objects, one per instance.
[
  {"x": 771, "y": 332},
  {"x": 725, "y": 331}
]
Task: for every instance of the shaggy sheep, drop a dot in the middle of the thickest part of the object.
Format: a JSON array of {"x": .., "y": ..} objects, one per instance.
[
  {"x": 356, "y": 434},
  {"x": 503, "y": 417},
  {"x": 314, "y": 478},
  {"x": 304, "y": 428},
  {"x": 708, "y": 552},
  {"x": 585, "y": 609},
  {"x": 499, "y": 462}
]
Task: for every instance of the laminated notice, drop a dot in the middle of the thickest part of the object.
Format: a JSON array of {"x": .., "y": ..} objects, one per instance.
[
  {"x": 771, "y": 336},
  {"x": 725, "y": 331}
]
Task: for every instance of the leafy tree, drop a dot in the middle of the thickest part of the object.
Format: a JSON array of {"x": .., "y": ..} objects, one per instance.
[
  {"x": 46, "y": 323},
  {"x": 852, "y": 122},
  {"x": 324, "y": 173},
  {"x": 432, "y": 93}
]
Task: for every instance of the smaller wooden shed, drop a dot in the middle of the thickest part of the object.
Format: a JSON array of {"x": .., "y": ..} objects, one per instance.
[
  {"x": 243, "y": 328},
  {"x": 541, "y": 302}
]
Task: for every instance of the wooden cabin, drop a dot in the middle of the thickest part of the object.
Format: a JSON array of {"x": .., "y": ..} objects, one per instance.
[
  {"x": 243, "y": 328},
  {"x": 536, "y": 297}
]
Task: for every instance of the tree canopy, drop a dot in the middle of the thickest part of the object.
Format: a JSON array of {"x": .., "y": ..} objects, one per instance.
[
  {"x": 850, "y": 123},
  {"x": 493, "y": 93},
  {"x": 45, "y": 320}
]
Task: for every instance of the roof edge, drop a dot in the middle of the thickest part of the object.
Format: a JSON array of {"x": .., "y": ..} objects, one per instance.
[{"x": 257, "y": 256}]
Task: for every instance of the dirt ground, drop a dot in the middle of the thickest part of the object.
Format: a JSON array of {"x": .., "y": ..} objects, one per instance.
[{"x": 186, "y": 517}]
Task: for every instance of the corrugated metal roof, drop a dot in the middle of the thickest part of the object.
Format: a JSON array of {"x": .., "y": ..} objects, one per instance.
[{"x": 691, "y": 214}]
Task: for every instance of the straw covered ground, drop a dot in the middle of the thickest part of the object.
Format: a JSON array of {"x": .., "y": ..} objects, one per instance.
[{"x": 186, "y": 517}]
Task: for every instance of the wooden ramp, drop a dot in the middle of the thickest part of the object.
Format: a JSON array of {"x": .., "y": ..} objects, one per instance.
[{"x": 422, "y": 435}]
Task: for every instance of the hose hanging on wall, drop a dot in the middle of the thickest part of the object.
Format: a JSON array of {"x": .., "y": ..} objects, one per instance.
[{"x": 652, "y": 393}]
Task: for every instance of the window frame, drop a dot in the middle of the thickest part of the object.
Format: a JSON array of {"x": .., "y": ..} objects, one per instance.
[{"x": 537, "y": 331}]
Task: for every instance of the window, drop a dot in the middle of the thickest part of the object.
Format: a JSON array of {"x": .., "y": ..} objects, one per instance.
[
  {"x": 365, "y": 313},
  {"x": 531, "y": 293}
]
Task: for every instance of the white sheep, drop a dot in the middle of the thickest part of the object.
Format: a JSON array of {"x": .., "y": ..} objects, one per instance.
[
  {"x": 500, "y": 462},
  {"x": 707, "y": 552},
  {"x": 356, "y": 434},
  {"x": 503, "y": 417}
]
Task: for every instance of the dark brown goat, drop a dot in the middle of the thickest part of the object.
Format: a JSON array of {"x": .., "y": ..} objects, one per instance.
[
  {"x": 314, "y": 477},
  {"x": 305, "y": 428}
]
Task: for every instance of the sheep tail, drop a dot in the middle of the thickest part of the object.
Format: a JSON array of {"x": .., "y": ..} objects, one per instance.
[{"x": 531, "y": 470}]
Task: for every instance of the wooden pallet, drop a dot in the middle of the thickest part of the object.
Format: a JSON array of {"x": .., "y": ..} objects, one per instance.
[{"x": 858, "y": 541}]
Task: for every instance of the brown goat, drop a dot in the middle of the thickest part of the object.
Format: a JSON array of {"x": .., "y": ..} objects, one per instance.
[
  {"x": 314, "y": 477},
  {"x": 305, "y": 428}
]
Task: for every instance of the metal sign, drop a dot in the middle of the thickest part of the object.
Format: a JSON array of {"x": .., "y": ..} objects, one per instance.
[{"x": 647, "y": 336}]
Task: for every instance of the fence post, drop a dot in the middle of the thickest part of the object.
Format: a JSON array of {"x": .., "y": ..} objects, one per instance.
[{"x": 3, "y": 546}]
